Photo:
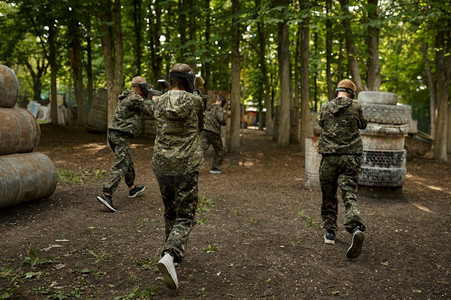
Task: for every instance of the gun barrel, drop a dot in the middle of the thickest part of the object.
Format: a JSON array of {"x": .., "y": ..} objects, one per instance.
[{"x": 155, "y": 92}]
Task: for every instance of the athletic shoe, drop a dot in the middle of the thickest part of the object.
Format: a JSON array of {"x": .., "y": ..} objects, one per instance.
[
  {"x": 329, "y": 237},
  {"x": 107, "y": 201},
  {"x": 357, "y": 239},
  {"x": 215, "y": 171},
  {"x": 136, "y": 191},
  {"x": 167, "y": 270}
]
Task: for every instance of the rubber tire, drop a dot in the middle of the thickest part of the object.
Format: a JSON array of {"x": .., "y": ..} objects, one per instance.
[
  {"x": 383, "y": 143},
  {"x": 385, "y": 129},
  {"x": 387, "y": 114},
  {"x": 382, "y": 177},
  {"x": 375, "y": 97},
  {"x": 384, "y": 159}
]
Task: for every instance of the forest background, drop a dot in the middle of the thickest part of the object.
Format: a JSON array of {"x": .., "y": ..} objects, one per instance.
[{"x": 283, "y": 57}]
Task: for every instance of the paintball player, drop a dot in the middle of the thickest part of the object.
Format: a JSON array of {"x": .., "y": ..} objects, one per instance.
[
  {"x": 341, "y": 148},
  {"x": 122, "y": 128},
  {"x": 211, "y": 133},
  {"x": 177, "y": 159}
]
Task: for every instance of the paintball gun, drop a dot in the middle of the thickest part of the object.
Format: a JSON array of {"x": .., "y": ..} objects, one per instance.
[{"x": 164, "y": 87}]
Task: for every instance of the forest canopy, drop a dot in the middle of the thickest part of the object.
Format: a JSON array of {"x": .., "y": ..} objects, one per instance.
[{"x": 290, "y": 54}]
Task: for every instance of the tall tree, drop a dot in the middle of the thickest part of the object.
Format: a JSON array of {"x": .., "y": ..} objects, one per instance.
[
  {"x": 305, "y": 70},
  {"x": 234, "y": 139},
  {"x": 137, "y": 24},
  {"x": 112, "y": 46},
  {"x": 374, "y": 76},
  {"x": 351, "y": 49},
  {"x": 329, "y": 42},
  {"x": 283, "y": 137}
]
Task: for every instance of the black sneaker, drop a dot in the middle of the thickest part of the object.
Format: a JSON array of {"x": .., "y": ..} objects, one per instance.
[
  {"x": 136, "y": 191},
  {"x": 215, "y": 171},
  {"x": 357, "y": 239},
  {"x": 329, "y": 237},
  {"x": 107, "y": 201}
]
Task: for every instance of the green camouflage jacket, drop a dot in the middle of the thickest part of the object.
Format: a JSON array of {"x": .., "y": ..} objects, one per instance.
[
  {"x": 340, "y": 120},
  {"x": 177, "y": 148},
  {"x": 126, "y": 116},
  {"x": 214, "y": 118}
]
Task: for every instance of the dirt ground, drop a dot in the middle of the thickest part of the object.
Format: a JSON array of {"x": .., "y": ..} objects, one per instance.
[{"x": 258, "y": 234}]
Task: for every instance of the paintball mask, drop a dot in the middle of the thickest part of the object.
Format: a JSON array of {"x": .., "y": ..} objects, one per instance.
[
  {"x": 138, "y": 81},
  {"x": 347, "y": 86},
  {"x": 190, "y": 77}
]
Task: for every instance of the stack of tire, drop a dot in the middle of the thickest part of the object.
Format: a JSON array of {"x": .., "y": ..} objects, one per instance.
[
  {"x": 24, "y": 175},
  {"x": 384, "y": 158},
  {"x": 98, "y": 114}
]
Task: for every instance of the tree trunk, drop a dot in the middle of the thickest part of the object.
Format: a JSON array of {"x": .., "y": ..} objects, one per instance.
[
  {"x": 234, "y": 139},
  {"x": 443, "y": 80},
  {"x": 78, "y": 72},
  {"x": 283, "y": 138},
  {"x": 329, "y": 43},
  {"x": 155, "y": 44},
  {"x": 264, "y": 69},
  {"x": 305, "y": 70},
  {"x": 192, "y": 4},
  {"x": 431, "y": 86},
  {"x": 89, "y": 65},
  {"x": 207, "y": 65},
  {"x": 350, "y": 47},
  {"x": 112, "y": 53},
  {"x": 53, "y": 70},
  {"x": 374, "y": 75},
  {"x": 137, "y": 24}
]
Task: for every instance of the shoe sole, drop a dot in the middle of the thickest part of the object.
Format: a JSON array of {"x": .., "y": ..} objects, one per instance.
[
  {"x": 167, "y": 278},
  {"x": 106, "y": 203},
  {"x": 330, "y": 242},
  {"x": 137, "y": 193},
  {"x": 355, "y": 249}
]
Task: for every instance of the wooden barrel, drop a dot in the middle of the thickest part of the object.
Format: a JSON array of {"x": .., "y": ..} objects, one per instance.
[
  {"x": 19, "y": 131},
  {"x": 98, "y": 114},
  {"x": 312, "y": 162},
  {"x": 25, "y": 177},
  {"x": 9, "y": 87}
]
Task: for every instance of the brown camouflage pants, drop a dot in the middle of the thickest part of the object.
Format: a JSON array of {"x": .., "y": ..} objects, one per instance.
[
  {"x": 208, "y": 138},
  {"x": 340, "y": 171},
  {"x": 180, "y": 198},
  {"x": 122, "y": 165}
]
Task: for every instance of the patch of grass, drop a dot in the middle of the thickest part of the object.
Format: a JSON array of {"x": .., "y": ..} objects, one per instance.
[
  {"x": 202, "y": 292},
  {"x": 202, "y": 221},
  {"x": 33, "y": 258},
  {"x": 253, "y": 222},
  {"x": 204, "y": 204},
  {"x": 297, "y": 242},
  {"x": 137, "y": 293},
  {"x": 99, "y": 257},
  {"x": 310, "y": 222},
  {"x": 69, "y": 176},
  {"x": 149, "y": 263},
  {"x": 210, "y": 248}
]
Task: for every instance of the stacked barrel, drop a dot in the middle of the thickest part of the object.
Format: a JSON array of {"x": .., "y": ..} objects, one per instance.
[
  {"x": 384, "y": 158},
  {"x": 24, "y": 175}
]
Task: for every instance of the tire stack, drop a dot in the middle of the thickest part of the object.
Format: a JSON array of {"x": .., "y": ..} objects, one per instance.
[
  {"x": 384, "y": 158},
  {"x": 24, "y": 175}
]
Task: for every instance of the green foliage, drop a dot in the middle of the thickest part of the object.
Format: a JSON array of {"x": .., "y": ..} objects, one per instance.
[
  {"x": 204, "y": 204},
  {"x": 33, "y": 258},
  {"x": 210, "y": 248}
]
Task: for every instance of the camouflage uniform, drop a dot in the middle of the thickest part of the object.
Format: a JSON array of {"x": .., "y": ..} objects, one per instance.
[
  {"x": 211, "y": 134},
  {"x": 177, "y": 160},
  {"x": 341, "y": 147},
  {"x": 123, "y": 127}
]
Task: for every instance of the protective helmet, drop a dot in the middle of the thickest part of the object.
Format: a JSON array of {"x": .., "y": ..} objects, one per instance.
[
  {"x": 183, "y": 71},
  {"x": 347, "y": 86},
  {"x": 138, "y": 81}
]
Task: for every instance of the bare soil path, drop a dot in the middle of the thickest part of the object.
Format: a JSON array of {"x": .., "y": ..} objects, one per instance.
[{"x": 258, "y": 234}]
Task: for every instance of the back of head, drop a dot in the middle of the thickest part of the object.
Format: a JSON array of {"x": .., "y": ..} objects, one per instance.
[
  {"x": 182, "y": 76},
  {"x": 220, "y": 98},
  {"x": 139, "y": 82},
  {"x": 347, "y": 86}
]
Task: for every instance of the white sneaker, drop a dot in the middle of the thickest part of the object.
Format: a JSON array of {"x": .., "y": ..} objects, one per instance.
[{"x": 167, "y": 270}]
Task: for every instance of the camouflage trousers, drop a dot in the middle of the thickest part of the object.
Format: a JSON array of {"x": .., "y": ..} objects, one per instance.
[
  {"x": 122, "y": 165},
  {"x": 208, "y": 138},
  {"x": 340, "y": 171},
  {"x": 180, "y": 198}
]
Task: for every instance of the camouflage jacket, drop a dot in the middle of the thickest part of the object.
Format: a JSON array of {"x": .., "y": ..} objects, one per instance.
[
  {"x": 214, "y": 118},
  {"x": 126, "y": 116},
  {"x": 177, "y": 148},
  {"x": 340, "y": 120}
]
